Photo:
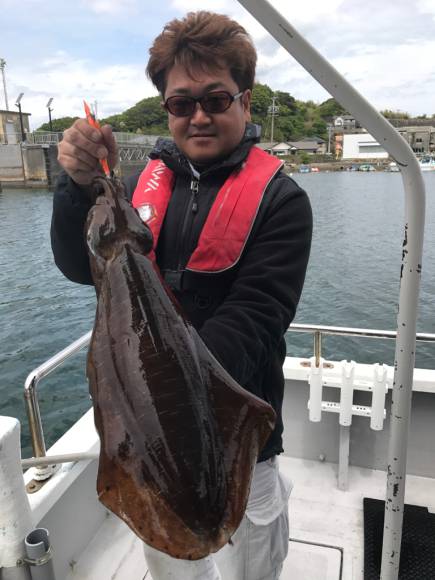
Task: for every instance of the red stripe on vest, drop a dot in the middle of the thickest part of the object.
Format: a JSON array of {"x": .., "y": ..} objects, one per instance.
[
  {"x": 230, "y": 219},
  {"x": 151, "y": 197}
]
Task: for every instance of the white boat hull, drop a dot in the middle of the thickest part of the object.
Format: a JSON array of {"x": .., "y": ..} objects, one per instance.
[{"x": 326, "y": 523}]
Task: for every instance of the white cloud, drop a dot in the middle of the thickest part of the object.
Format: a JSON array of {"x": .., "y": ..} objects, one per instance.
[
  {"x": 381, "y": 47},
  {"x": 426, "y": 6},
  {"x": 69, "y": 81},
  {"x": 110, "y": 7},
  {"x": 296, "y": 11},
  {"x": 193, "y": 5}
]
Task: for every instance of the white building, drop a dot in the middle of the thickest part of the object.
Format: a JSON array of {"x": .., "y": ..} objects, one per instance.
[{"x": 362, "y": 146}]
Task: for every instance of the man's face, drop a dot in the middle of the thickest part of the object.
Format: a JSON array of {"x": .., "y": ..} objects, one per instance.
[{"x": 205, "y": 137}]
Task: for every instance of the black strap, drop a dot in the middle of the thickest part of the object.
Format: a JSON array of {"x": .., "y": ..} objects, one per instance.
[
  {"x": 201, "y": 283},
  {"x": 173, "y": 278}
]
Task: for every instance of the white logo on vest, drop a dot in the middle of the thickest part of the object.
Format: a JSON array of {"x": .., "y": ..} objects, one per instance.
[{"x": 147, "y": 212}]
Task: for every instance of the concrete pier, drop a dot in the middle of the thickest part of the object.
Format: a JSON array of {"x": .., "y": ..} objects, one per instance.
[{"x": 30, "y": 166}]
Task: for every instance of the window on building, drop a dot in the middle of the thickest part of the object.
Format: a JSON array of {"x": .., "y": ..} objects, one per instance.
[{"x": 375, "y": 148}]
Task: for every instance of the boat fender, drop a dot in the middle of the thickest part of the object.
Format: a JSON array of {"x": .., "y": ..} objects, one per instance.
[{"x": 15, "y": 513}]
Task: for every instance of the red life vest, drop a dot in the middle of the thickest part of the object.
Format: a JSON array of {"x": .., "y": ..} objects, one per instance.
[{"x": 231, "y": 217}]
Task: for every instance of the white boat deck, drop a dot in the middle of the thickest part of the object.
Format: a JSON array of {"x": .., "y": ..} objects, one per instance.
[{"x": 326, "y": 527}]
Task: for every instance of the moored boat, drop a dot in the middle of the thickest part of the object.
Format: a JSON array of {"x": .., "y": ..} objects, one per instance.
[{"x": 427, "y": 163}]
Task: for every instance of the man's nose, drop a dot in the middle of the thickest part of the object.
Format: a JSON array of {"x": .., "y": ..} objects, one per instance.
[{"x": 199, "y": 115}]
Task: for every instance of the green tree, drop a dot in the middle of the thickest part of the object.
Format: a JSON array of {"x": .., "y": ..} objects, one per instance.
[
  {"x": 115, "y": 121},
  {"x": 286, "y": 100},
  {"x": 389, "y": 114},
  {"x": 147, "y": 115},
  {"x": 260, "y": 103},
  {"x": 330, "y": 109},
  {"x": 58, "y": 125}
]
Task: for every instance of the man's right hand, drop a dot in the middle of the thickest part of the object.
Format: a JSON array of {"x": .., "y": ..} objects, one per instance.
[{"x": 82, "y": 148}]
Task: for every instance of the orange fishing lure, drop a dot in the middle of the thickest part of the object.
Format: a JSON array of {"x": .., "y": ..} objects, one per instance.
[{"x": 94, "y": 123}]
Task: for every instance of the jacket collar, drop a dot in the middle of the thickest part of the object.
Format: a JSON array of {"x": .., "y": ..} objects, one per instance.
[{"x": 166, "y": 150}]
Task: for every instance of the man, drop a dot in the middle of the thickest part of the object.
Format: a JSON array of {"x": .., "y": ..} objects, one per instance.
[{"x": 239, "y": 285}]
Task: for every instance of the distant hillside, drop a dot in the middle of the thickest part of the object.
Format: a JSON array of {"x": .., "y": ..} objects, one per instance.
[{"x": 295, "y": 119}]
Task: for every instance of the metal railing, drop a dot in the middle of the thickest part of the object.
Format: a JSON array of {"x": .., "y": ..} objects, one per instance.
[
  {"x": 31, "y": 391},
  {"x": 44, "y": 137},
  {"x": 33, "y": 379},
  {"x": 135, "y": 138},
  {"x": 319, "y": 331},
  {"x": 54, "y": 137},
  {"x": 32, "y": 138}
]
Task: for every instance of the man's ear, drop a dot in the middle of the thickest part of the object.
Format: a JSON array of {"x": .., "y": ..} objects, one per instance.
[{"x": 246, "y": 103}]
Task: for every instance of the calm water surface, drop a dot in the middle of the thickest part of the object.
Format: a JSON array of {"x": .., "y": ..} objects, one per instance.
[{"x": 352, "y": 280}]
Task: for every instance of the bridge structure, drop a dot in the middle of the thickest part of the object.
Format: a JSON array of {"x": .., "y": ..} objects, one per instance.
[
  {"x": 133, "y": 148},
  {"x": 34, "y": 161}
]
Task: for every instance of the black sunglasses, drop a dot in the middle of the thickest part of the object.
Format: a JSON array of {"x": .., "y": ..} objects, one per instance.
[{"x": 214, "y": 102}]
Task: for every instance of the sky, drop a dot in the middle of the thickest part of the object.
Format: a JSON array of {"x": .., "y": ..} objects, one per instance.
[{"x": 97, "y": 50}]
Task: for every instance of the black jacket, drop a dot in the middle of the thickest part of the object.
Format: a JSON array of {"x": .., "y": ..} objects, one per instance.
[{"x": 241, "y": 314}]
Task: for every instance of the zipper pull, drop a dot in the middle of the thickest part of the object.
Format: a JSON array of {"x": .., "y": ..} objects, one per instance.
[{"x": 194, "y": 188}]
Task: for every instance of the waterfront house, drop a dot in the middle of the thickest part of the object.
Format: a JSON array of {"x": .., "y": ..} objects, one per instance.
[
  {"x": 346, "y": 123},
  {"x": 420, "y": 138},
  {"x": 10, "y": 126},
  {"x": 310, "y": 145},
  {"x": 362, "y": 146}
]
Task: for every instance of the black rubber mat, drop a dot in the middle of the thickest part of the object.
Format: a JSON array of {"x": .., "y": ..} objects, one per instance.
[{"x": 417, "y": 557}]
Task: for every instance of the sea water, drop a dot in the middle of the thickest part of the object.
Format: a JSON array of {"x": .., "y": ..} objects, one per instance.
[{"x": 352, "y": 280}]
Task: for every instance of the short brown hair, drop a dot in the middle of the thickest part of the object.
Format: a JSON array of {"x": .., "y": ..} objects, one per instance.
[{"x": 203, "y": 41}]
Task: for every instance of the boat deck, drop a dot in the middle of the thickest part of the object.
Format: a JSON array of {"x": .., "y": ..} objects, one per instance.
[{"x": 326, "y": 527}]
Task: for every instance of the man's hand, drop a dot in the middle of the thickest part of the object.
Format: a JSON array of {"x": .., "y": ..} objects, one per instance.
[{"x": 81, "y": 149}]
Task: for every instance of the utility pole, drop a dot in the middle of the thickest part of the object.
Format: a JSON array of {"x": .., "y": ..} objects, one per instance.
[
  {"x": 272, "y": 110},
  {"x": 49, "y": 113},
  {"x": 329, "y": 138},
  {"x": 18, "y": 104},
  {"x": 2, "y": 66}
]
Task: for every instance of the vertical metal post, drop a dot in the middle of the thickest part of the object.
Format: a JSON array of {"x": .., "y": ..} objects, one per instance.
[
  {"x": 2, "y": 67},
  {"x": 343, "y": 458},
  {"x": 329, "y": 138},
  {"x": 317, "y": 347},
  {"x": 404, "y": 368},
  {"x": 320, "y": 69},
  {"x": 34, "y": 417},
  {"x": 272, "y": 121},
  {"x": 50, "y": 100},
  {"x": 23, "y": 135},
  {"x": 39, "y": 554},
  {"x": 273, "y": 110}
]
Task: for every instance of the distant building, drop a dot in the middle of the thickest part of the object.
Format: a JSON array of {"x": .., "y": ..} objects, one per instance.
[
  {"x": 310, "y": 145},
  {"x": 280, "y": 149},
  {"x": 420, "y": 138},
  {"x": 413, "y": 122},
  {"x": 346, "y": 123},
  {"x": 265, "y": 146},
  {"x": 362, "y": 146},
  {"x": 10, "y": 128}
]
